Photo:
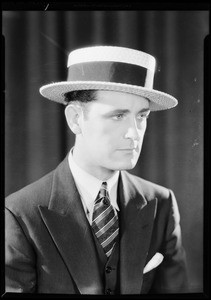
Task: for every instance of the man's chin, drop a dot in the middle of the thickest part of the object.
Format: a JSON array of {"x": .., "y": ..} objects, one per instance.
[{"x": 126, "y": 166}]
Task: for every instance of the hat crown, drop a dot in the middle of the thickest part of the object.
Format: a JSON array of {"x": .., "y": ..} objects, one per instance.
[{"x": 112, "y": 53}]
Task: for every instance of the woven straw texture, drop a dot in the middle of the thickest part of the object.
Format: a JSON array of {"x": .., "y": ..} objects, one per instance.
[{"x": 158, "y": 100}]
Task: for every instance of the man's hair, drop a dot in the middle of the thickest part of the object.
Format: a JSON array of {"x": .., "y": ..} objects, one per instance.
[{"x": 83, "y": 96}]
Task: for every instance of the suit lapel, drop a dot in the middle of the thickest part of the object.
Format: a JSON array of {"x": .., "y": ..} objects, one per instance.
[
  {"x": 71, "y": 232},
  {"x": 136, "y": 219}
]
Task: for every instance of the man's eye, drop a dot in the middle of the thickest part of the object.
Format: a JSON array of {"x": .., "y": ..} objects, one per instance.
[
  {"x": 118, "y": 116},
  {"x": 142, "y": 116}
]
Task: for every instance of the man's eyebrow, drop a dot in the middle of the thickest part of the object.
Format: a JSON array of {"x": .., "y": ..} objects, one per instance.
[
  {"x": 144, "y": 110},
  {"x": 120, "y": 110}
]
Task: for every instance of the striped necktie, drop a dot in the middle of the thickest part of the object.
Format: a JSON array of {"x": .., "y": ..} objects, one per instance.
[{"x": 105, "y": 221}]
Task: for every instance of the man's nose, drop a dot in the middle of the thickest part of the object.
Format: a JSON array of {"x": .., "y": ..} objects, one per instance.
[{"x": 132, "y": 131}]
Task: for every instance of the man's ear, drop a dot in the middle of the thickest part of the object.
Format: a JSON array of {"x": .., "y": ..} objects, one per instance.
[{"x": 72, "y": 114}]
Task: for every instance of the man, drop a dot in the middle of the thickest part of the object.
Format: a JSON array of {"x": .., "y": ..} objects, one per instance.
[{"x": 90, "y": 227}]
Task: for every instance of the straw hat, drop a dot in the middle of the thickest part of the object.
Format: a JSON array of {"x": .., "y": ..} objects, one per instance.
[{"x": 110, "y": 68}]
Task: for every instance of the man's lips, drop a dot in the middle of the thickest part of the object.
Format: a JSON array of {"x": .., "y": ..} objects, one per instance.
[{"x": 129, "y": 149}]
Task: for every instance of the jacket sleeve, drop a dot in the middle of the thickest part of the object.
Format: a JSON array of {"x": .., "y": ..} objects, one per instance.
[
  {"x": 171, "y": 276},
  {"x": 20, "y": 271}
]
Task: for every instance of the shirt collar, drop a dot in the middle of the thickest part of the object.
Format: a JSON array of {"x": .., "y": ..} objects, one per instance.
[{"x": 89, "y": 185}]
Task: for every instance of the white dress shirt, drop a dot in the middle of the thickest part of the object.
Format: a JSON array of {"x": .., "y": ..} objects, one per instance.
[{"x": 89, "y": 186}]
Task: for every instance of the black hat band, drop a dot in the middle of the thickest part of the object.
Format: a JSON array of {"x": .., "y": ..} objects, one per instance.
[{"x": 108, "y": 71}]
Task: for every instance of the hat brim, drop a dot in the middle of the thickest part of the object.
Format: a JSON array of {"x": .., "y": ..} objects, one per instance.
[{"x": 158, "y": 100}]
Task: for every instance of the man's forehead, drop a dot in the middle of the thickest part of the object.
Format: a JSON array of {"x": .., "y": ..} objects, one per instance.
[{"x": 121, "y": 100}]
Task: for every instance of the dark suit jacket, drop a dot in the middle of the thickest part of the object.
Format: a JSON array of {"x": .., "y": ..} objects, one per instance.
[{"x": 50, "y": 247}]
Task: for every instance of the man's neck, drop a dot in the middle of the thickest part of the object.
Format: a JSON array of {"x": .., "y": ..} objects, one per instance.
[{"x": 96, "y": 171}]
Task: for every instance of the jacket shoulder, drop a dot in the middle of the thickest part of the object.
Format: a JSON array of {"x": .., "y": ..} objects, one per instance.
[
  {"x": 149, "y": 189},
  {"x": 31, "y": 195}
]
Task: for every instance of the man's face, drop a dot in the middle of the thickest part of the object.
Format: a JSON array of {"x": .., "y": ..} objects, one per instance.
[{"x": 112, "y": 131}]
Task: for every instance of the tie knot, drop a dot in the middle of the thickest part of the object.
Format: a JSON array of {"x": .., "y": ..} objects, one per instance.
[
  {"x": 103, "y": 190},
  {"x": 103, "y": 193}
]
